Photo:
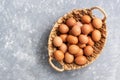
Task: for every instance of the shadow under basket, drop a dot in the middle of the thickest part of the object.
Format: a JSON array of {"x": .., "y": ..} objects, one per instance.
[{"x": 98, "y": 46}]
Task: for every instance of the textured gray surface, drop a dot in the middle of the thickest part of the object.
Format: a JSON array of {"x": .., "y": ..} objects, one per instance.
[{"x": 24, "y": 30}]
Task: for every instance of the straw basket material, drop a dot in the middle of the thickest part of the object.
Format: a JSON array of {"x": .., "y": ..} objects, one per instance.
[{"x": 76, "y": 14}]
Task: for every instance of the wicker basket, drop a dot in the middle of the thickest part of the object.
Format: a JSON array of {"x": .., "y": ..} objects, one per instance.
[{"x": 77, "y": 13}]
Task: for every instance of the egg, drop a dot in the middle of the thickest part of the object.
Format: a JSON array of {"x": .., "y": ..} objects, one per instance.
[
  {"x": 79, "y": 24},
  {"x": 88, "y": 50},
  {"x": 86, "y": 19},
  {"x": 97, "y": 23},
  {"x": 81, "y": 45},
  {"x": 71, "y": 22},
  {"x": 73, "y": 49},
  {"x": 59, "y": 55},
  {"x": 96, "y": 35},
  {"x": 90, "y": 41},
  {"x": 63, "y": 28},
  {"x": 79, "y": 53},
  {"x": 83, "y": 39},
  {"x": 69, "y": 58},
  {"x": 57, "y": 41},
  {"x": 76, "y": 30},
  {"x": 63, "y": 48},
  {"x": 72, "y": 39},
  {"x": 86, "y": 29},
  {"x": 91, "y": 27},
  {"x": 63, "y": 37},
  {"x": 80, "y": 60}
]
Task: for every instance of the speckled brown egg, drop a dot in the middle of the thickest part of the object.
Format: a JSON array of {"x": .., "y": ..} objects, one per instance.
[
  {"x": 80, "y": 60},
  {"x": 69, "y": 58},
  {"x": 59, "y": 55},
  {"x": 57, "y": 41},
  {"x": 83, "y": 39},
  {"x": 86, "y": 19},
  {"x": 88, "y": 50},
  {"x": 76, "y": 30},
  {"x": 63, "y": 48},
  {"x": 71, "y": 22},
  {"x": 97, "y": 23},
  {"x": 81, "y": 45},
  {"x": 63, "y": 37},
  {"x": 86, "y": 29},
  {"x": 90, "y": 41},
  {"x": 73, "y": 49},
  {"x": 63, "y": 28},
  {"x": 96, "y": 35},
  {"x": 72, "y": 39},
  {"x": 79, "y": 53}
]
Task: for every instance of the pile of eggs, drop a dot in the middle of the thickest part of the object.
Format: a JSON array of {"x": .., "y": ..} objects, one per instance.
[{"x": 75, "y": 39}]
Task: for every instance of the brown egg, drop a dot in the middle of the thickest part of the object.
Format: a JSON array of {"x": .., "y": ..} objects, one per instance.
[
  {"x": 57, "y": 41},
  {"x": 69, "y": 58},
  {"x": 72, "y": 39},
  {"x": 79, "y": 53},
  {"x": 63, "y": 37},
  {"x": 86, "y": 19},
  {"x": 86, "y": 29},
  {"x": 80, "y": 60},
  {"x": 81, "y": 45},
  {"x": 97, "y": 23},
  {"x": 88, "y": 50},
  {"x": 91, "y": 27},
  {"x": 63, "y": 48},
  {"x": 76, "y": 30},
  {"x": 90, "y": 41},
  {"x": 59, "y": 55},
  {"x": 83, "y": 39},
  {"x": 96, "y": 35},
  {"x": 71, "y": 22},
  {"x": 63, "y": 28},
  {"x": 73, "y": 49},
  {"x": 79, "y": 24}
]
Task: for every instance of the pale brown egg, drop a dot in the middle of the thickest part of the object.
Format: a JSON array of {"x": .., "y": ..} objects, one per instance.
[
  {"x": 72, "y": 39},
  {"x": 63, "y": 37},
  {"x": 63, "y": 28},
  {"x": 59, "y": 55},
  {"x": 96, "y": 35},
  {"x": 97, "y": 23},
  {"x": 79, "y": 24},
  {"x": 57, "y": 41},
  {"x": 79, "y": 53},
  {"x": 81, "y": 45},
  {"x": 90, "y": 41},
  {"x": 69, "y": 58},
  {"x": 63, "y": 48},
  {"x": 88, "y": 50},
  {"x": 73, "y": 49},
  {"x": 80, "y": 60},
  {"x": 76, "y": 30},
  {"x": 86, "y": 29},
  {"x": 83, "y": 39},
  {"x": 71, "y": 22},
  {"x": 86, "y": 19}
]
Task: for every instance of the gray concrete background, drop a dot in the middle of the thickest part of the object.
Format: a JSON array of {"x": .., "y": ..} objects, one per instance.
[{"x": 24, "y": 30}]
